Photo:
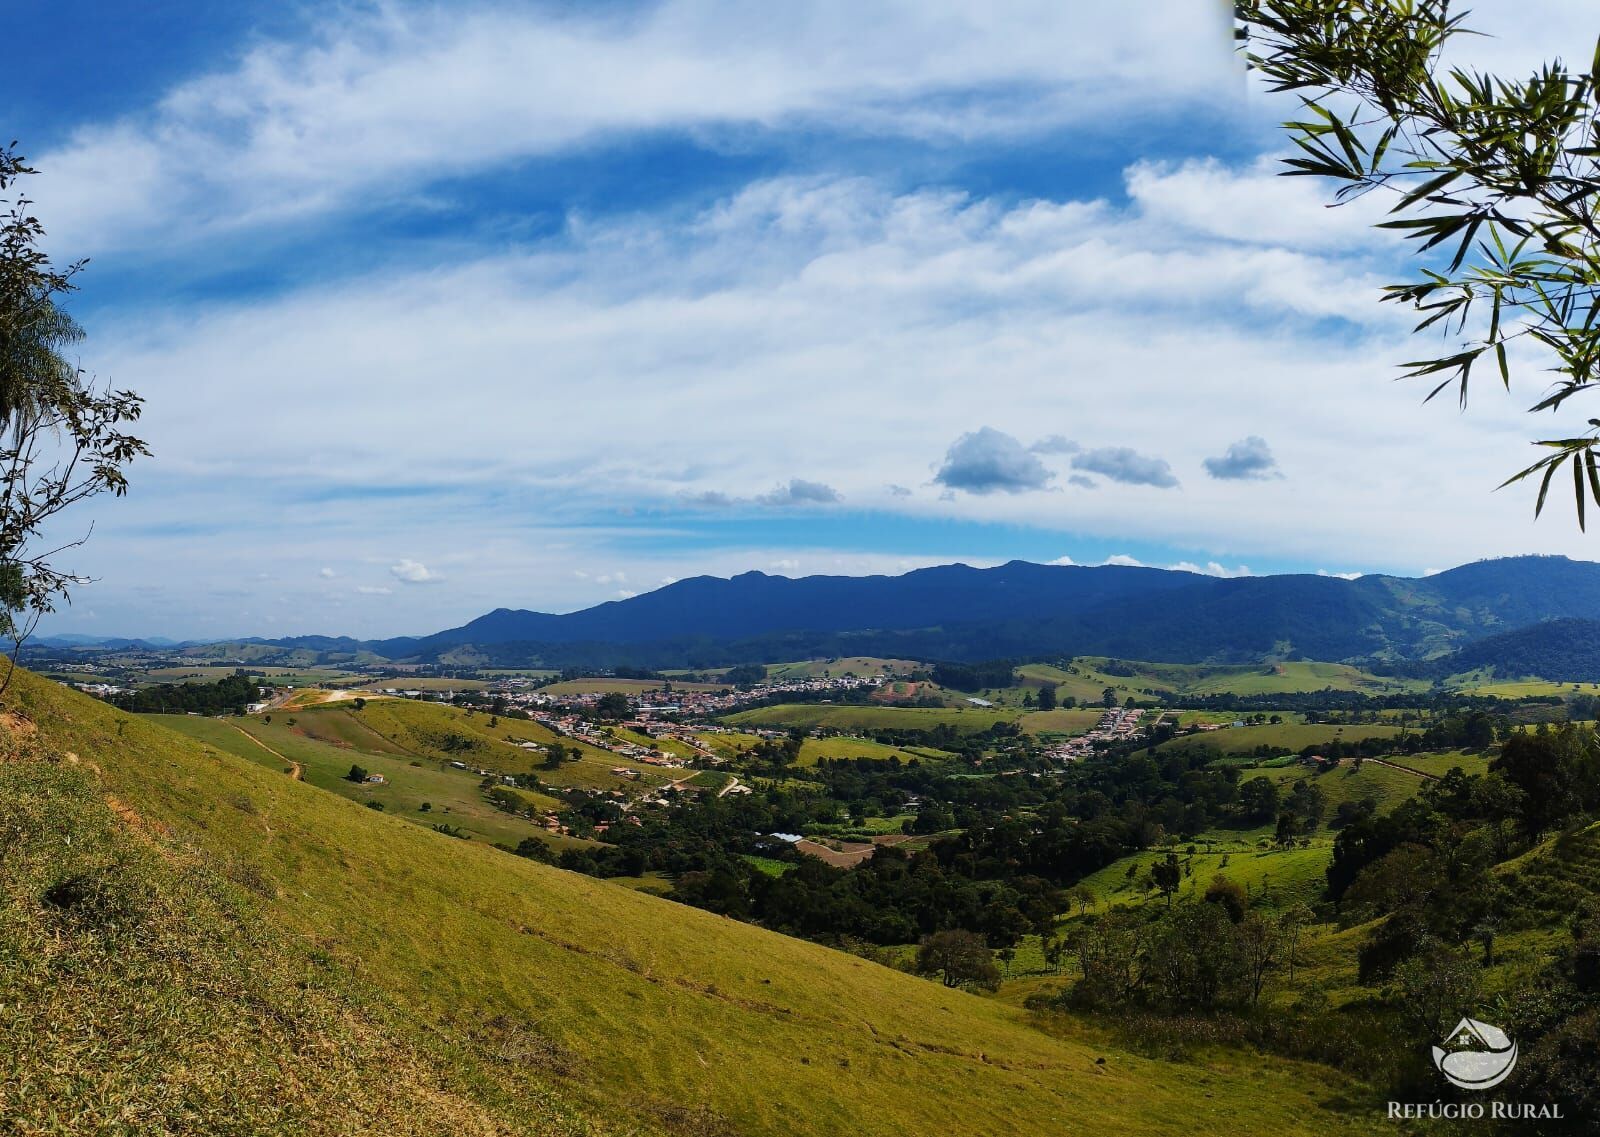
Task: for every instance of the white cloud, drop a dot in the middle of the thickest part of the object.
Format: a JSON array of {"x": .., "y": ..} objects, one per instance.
[
  {"x": 373, "y": 590},
  {"x": 1123, "y": 559},
  {"x": 382, "y": 100},
  {"x": 1345, "y": 575},
  {"x": 326, "y": 573},
  {"x": 1212, "y": 568},
  {"x": 413, "y": 572}
]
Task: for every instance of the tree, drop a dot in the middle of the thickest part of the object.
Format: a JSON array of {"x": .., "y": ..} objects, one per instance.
[
  {"x": 612, "y": 705},
  {"x": 1111, "y": 956},
  {"x": 1258, "y": 798},
  {"x": 360, "y": 703},
  {"x": 1495, "y": 181},
  {"x": 1260, "y": 942},
  {"x": 1108, "y": 697},
  {"x": 356, "y": 774},
  {"x": 61, "y": 437},
  {"x": 554, "y": 755},
  {"x": 960, "y": 957},
  {"x": 1437, "y": 985},
  {"x": 1167, "y": 874},
  {"x": 1084, "y": 897},
  {"x": 1005, "y": 955},
  {"x": 1047, "y": 697},
  {"x": 1229, "y": 894}
]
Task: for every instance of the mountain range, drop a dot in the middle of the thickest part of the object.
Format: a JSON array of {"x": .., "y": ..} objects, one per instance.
[{"x": 1021, "y": 609}]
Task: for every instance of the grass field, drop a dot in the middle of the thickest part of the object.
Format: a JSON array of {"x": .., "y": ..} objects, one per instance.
[
  {"x": 452, "y": 795},
  {"x": 1085, "y": 679},
  {"x": 418, "y": 683},
  {"x": 624, "y": 1013},
  {"x": 445, "y": 733},
  {"x": 279, "y": 676},
  {"x": 602, "y": 686},
  {"x": 730, "y": 745},
  {"x": 1518, "y": 688},
  {"x": 1075, "y": 721},
  {"x": 1286, "y": 737},
  {"x": 853, "y": 717},
  {"x": 863, "y": 665}
]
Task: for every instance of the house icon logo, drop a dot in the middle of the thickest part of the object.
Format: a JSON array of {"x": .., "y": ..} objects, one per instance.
[{"x": 1476, "y": 1055}]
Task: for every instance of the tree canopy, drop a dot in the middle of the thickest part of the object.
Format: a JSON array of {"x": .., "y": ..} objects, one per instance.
[{"x": 61, "y": 439}]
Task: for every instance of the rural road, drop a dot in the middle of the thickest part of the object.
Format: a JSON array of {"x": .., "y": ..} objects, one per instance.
[{"x": 296, "y": 771}]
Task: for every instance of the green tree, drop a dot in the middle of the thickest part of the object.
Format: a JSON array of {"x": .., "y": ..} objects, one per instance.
[
  {"x": 960, "y": 958},
  {"x": 1167, "y": 874},
  {"x": 356, "y": 774},
  {"x": 61, "y": 438},
  {"x": 1229, "y": 894},
  {"x": 1493, "y": 179},
  {"x": 1047, "y": 697},
  {"x": 1436, "y": 986}
]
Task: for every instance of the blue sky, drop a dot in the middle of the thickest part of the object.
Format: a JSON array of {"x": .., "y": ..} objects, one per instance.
[{"x": 440, "y": 308}]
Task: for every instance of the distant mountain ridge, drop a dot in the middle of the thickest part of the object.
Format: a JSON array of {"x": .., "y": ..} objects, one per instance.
[{"x": 1020, "y": 609}]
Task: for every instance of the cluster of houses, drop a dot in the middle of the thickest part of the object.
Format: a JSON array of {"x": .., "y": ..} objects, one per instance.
[
  {"x": 685, "y": 702},
  {"x": 1116, "y": 725}
]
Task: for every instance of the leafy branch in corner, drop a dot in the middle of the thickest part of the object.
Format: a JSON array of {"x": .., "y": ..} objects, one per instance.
[{"x": 1494, "y": 181}]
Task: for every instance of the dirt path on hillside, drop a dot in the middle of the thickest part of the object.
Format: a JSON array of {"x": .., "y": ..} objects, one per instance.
[
  {"x": 1403, "y": 769},
  {"x": 296, "y": 771}
]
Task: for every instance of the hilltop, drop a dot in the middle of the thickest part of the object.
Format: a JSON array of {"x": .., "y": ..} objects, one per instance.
[
  {"x": 508, "y": 996},
  {"x": 1017, "y": 610}
]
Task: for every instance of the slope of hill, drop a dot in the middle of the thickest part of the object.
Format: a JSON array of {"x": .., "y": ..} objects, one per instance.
[
  {"x": 548, "y": 1001},
  {"x": 1563, "y": 650}
]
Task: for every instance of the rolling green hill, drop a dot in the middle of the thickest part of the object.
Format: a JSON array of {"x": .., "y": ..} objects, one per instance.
[{"x": 356, "y": 973}]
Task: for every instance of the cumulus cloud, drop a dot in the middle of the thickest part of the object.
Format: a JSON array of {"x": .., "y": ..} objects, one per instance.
[
  {"x": 1124, "y": 560},
  {"x": 407, "y": 571},
  {"x": 800, "y": 492},
  {"x": 1128, "y": 466},
  {"x": 326, "y": 573},
  {"x": 1055, "y": 444},
  {"x": 1212, "y": 568},
  {"x": 988, "y": 460},
  {"x": 1249, "y": 459},
  {"x": 1352, "y": 575},
  {"x": 1082, "y": 482}
]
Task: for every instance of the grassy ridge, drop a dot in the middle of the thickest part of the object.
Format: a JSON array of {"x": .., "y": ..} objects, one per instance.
[
  {"x": 452, "y": 796},
  {"x": 637, "y": 1010}
]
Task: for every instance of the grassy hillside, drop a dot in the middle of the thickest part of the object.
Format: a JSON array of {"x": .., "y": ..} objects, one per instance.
[
  {"x": 632, "y": 1013},
  {"x": 1287, "y": 737},
  {"x": 452, "y": 796},
  {"x": 852, "y": 717},
  {"x": 1087, "y": 677}
]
